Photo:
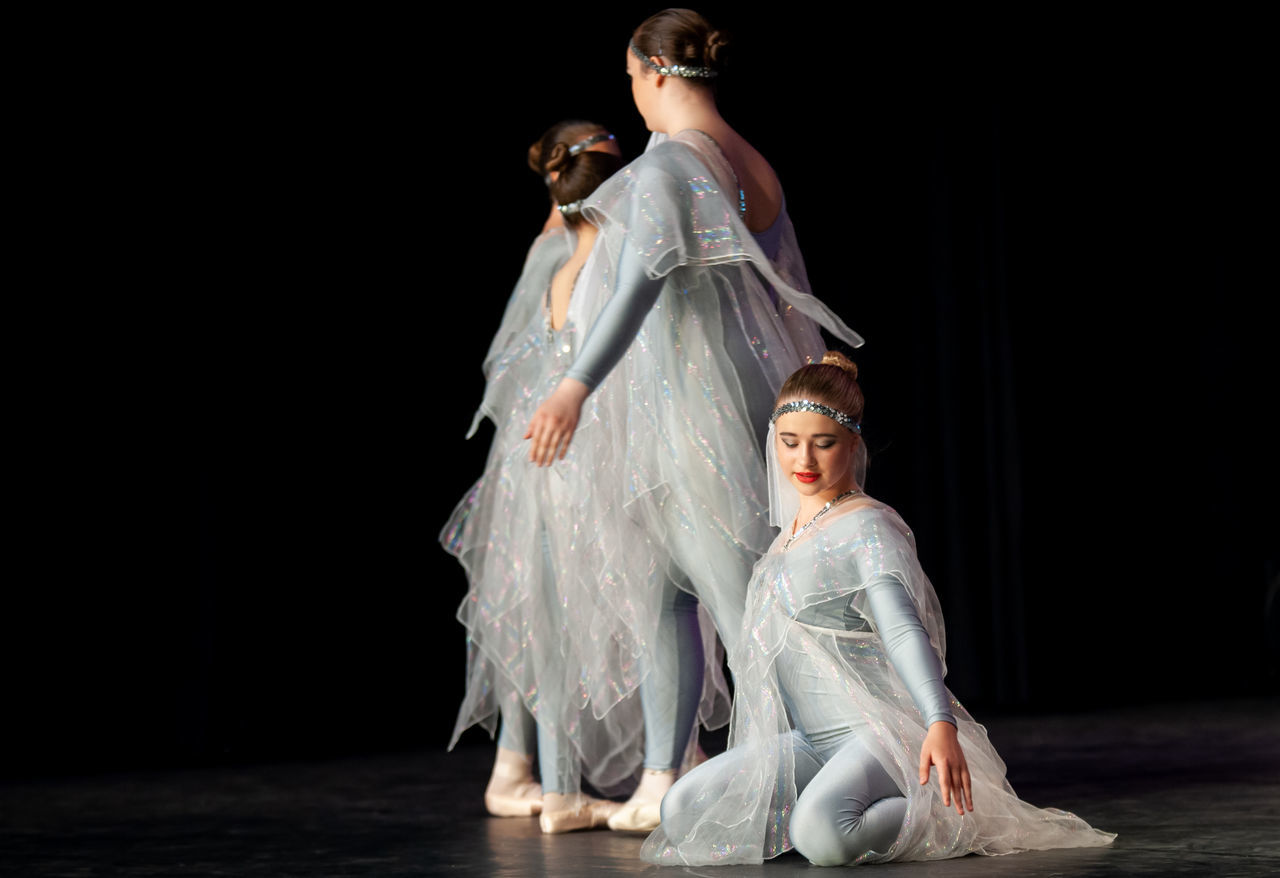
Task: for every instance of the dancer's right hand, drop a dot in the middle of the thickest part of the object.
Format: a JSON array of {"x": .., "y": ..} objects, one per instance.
[
  {"x": 942, "y": 748},
  {"x": 555, "y": 421}
]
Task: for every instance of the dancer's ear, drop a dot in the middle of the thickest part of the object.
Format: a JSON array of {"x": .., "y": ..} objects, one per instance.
[{"x": 657, "y": 59}]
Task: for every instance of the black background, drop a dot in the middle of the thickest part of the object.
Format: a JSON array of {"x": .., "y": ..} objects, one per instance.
[{"x": 1047, "y": 228}]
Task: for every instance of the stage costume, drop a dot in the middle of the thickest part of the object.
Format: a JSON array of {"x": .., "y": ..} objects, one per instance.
[
  {"x": 695, "y": 327},
  {"x": 523, "y": 654},
  {"x": 844, "y": 629}
]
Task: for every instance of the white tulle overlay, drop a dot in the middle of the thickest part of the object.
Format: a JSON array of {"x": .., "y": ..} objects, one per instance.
[
  {"x": 746, "y": 820},
  {"x": 784, "y": 502},
  {"x": 525, "y": 639},
  {"x": 666, "y": 466}
]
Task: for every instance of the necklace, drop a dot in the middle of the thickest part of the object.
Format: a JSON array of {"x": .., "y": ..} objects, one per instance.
[{"x": 821, "y": 512}]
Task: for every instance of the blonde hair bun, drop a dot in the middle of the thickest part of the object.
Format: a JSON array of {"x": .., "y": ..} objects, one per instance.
[{"x": 835, "y": 358}]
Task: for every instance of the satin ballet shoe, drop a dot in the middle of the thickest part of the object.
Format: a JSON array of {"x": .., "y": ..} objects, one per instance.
[
  {"x": 592, "y": 814},
  {"x": 642, "y": 812},
  {"x": 504, "y": 805},
  {"x": 512, "y": 791},
  {"x": 637, "y": 817}
]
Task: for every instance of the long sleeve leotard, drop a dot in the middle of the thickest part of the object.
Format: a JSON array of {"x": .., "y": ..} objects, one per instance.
[{"x": 844, "y": 629}]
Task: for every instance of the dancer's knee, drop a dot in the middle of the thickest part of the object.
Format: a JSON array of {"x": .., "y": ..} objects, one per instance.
[
  {"x": 678, "y": 808},
  {"x": 815, "y": 833},
  {"x": 834, "y": 836}
]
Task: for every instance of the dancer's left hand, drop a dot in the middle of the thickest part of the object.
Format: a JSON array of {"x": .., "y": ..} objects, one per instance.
[
  {"x": 942, "y": 748},
  {"x": 555, "y": 421}
]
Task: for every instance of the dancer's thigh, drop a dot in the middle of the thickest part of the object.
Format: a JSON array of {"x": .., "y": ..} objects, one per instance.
[{"x": 706, "y": 784}]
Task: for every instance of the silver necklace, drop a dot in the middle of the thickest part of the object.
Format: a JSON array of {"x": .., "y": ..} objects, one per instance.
[{"x": 821, "y": 512}]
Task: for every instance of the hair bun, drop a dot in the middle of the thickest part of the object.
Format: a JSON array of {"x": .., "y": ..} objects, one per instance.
[
  {"x": 716, "y": 42},
  {"x": 835, "y": 358},
  {"x": 556, "y": 158}
]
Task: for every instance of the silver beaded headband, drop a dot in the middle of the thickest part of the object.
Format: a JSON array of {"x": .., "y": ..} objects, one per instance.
[
  {"x": 572, "y": 207},
  {"x": 581, "y": 146},
  {"x": 808, "y": 405},
  {"x": 675, "y": 69},
  {"x": 584, "y": 145}
]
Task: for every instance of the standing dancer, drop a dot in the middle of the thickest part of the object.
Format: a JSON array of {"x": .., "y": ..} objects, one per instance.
[
  {"x": 499, "y": 532},
  {"x": 844, "y": 629},
  {"x": 698, "y": 305}
]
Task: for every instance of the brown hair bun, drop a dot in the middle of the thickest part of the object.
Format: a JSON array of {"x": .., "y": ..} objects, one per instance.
[
  {"x": 554, "y": 158},
  {"x": 569, "y": 132},
  {"x": 716, "y": 43},
  {"x": 684, "y": 37},
  {"x": 835, "y": 358}
]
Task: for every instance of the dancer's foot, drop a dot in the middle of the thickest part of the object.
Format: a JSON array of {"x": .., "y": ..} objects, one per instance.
[
  {"x": 512, "y": 791},
  {"x": 562, "y": 813},
  {"x": 642, "y": 812}
]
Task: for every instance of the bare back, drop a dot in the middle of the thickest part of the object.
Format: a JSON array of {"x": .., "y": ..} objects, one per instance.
[{"x": 760, "y": 187}]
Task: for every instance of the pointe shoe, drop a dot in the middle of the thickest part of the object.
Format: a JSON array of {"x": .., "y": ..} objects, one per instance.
[
  {"x": 592, "y": 814},
  {"x": 643, "y": 811},
  {"x": 503, "y": 805},
  {"x": 636, "y": 817},
  {"x": 512, "y": 791}
]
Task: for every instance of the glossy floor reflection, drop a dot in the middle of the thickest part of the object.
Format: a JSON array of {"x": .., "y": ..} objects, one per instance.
[{"x": 1191, "y": 789}]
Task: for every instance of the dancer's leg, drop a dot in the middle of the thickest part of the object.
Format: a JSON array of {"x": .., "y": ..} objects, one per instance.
[
  {"x": 687, "y": 801},
  {"x": 717, "y": 569},
  {"x": 512, "y": 790},
  {"x": 669, "y": 697},
  {"x": 851, "y": 807},
  {"x": 564, "y": 808},
  {"x": 519, "y": 731}
]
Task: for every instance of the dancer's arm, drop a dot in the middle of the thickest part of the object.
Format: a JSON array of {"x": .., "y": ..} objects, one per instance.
[
  {"x": 555, "y": 421},
  {"x": 907, "y": 645}
]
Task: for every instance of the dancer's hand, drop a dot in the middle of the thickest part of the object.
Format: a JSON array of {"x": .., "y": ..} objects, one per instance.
[
  {"x": 554, "y": 422},
  {"x": 942, "y": 748}
]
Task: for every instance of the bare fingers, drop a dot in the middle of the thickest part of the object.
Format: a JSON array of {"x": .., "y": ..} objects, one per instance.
[
  {"x": 546, "y": 444},
  {"x": 944, "y": 781},
  {"x": 957, "y": 785}
]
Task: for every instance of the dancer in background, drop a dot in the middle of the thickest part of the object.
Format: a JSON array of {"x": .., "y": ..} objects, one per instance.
[
  {"x": 844, "y": 629},
  {"x": 699, "y": 308},
  {"x": 516, "y": 662}
]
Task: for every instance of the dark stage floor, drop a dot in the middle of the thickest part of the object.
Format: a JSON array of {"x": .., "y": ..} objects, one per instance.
[{"x": 1192, "y": 789}]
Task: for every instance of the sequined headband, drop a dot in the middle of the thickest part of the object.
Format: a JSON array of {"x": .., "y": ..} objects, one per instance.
[
  {"x": 674, "y": 69},
  {"x": 581, "y": 146},
  {"x": 584, "y": 145},
  {"x": 808, "y": 405}
]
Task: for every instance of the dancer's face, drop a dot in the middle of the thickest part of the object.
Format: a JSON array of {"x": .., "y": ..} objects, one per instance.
[
  {"x": 816, "y": 454},
  {"x": 644, "y": 89}
]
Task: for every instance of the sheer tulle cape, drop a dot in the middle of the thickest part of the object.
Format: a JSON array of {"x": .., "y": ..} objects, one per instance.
[
  {"x": 838, "y": 556},
  {"x": 526, "y": 642},
  {"x": 671, "y": 438},
  {"x": 549, "y": 251}
]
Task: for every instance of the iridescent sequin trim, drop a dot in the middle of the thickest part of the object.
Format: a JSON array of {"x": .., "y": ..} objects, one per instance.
[
  {"x": 808, "y": 405},
  {"x": 674, "y": 69}
]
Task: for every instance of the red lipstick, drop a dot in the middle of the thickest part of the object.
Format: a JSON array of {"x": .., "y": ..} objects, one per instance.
[{"x": 807, "y": 478}]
